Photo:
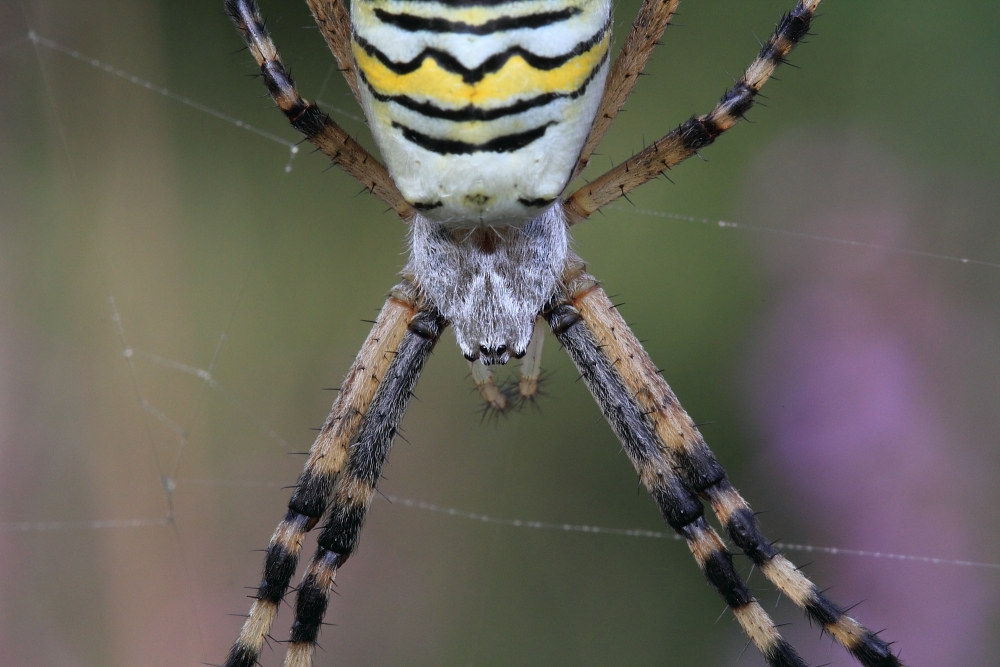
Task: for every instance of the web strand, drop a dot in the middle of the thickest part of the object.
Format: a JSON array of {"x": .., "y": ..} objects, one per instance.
[
  {"x": 48, "y": 526},
  {"x": 38, "y": 40},
  {"x": 527, "y": 524},
  {"x": 77, "y": 190},
  {"x": 725, "y": 224}
]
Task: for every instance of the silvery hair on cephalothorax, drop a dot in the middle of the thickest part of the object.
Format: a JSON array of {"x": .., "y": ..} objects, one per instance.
[{"x": 490, "y": 282}]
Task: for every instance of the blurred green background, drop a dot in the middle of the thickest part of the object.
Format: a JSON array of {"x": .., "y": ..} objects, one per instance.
[{"x": 173, "y": 301}]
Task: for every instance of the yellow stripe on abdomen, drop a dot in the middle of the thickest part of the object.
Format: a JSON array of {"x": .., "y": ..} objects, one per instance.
[{"x": 515, "y": 80}]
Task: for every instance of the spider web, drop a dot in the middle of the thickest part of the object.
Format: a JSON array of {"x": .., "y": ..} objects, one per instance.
[{"x": 174, "y": 463}]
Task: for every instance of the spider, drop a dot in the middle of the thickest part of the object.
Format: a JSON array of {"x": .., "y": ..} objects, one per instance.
[{"x": 485, "y": 111}]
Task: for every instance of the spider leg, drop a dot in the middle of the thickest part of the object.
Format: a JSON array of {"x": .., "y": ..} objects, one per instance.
[
  {"x": 502, "y": 398},
  {"x": 531, "y": 364},
  {"x": 648, "y": 27},
  {"x": 735, "y": 514},
  {"x": 326, "y": 459},
  {"x": 699, "y": 131},
  {"x": 306, "y": 117},
  {"x": 680, "y": 506},
  {"x": 335, "y": 24},
  {"x": 356, "y": 483},
  {"x": 496, "y": 398},
  {"x": 677, "y": 468}
]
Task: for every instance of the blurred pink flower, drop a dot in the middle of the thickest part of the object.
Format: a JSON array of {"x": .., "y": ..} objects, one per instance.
[{"x": 847, "y": 396}]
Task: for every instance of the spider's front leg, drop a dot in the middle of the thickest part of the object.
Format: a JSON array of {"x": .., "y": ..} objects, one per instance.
[
  {"x": 356, "y": 484},
  {"x": 678, "y": 469},
  {"x": 344, "y": 464}
]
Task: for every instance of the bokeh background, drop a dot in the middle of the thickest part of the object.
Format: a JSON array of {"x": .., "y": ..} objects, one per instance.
[{"x": 174, "y": 298}]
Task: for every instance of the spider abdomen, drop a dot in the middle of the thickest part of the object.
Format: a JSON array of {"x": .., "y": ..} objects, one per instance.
[{"x": 481, "y": 107}]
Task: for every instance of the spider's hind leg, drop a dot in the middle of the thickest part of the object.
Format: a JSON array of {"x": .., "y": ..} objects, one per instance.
[
  {"x": 308, "y": 118},
  {"x": 647, "y": 29},
  {"x": 698, "y": 131},
  {"x": 335, "y": 23},
  {"x": 678, "y": 469}
]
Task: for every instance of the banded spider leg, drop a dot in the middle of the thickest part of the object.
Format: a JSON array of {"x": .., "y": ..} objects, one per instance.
[
  {"x": 678, "y": 469},
  {"x": 699, "y": 131},
  {"x": 305, "y": 116},
  {"x": 339, "y": 477}
]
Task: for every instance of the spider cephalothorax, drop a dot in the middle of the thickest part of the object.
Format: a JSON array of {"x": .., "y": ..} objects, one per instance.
[
  {"x": 485, "y": 110},
  {"x": 490, "y": 283}
]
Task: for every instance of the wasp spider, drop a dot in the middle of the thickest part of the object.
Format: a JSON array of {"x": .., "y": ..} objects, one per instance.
[{"x": 485, "y": 110}]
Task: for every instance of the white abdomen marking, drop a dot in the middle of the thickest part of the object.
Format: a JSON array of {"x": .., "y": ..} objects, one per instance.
[{"x": 481, "y": 107}]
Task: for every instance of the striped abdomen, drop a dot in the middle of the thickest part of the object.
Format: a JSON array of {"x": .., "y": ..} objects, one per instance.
[{"x": 481, "y": 107}]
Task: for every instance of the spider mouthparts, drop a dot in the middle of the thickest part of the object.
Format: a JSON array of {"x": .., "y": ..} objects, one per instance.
[{"x": 497, "y": 356}]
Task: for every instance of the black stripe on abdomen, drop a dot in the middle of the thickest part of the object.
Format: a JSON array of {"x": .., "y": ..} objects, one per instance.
[
  {"x": 507, "y": 143},
  {"x": 414, "y": 23}
]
